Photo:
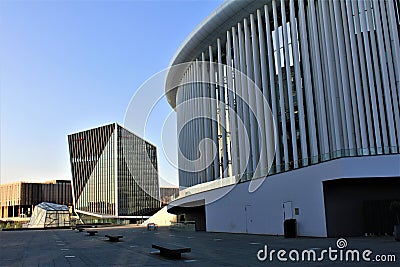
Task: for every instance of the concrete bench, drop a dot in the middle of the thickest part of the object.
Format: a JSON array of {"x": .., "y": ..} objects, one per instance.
[
  {"x": 91, "y": 233},
  {"x": 114, "y": 238},
  {"x": 171, "y": 250}
]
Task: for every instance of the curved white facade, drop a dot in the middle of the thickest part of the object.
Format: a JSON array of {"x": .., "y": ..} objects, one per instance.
[
  {"x": 341, "y": 97},
  {"x": 329, "y": 70}
]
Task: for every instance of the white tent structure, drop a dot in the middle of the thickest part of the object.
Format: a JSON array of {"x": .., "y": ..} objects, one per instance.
[{"x": 46, "y": 215}]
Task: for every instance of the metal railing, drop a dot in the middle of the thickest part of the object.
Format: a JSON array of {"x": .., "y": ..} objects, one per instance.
[
  {"x": 276, "y": 169},
  {"x": 184, "y": 226}
]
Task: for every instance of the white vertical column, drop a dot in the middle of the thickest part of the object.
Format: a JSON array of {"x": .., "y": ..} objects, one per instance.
[
  {"x": 331, "y": 77},
  {"x": 178, "y": 124},
  {"x": 366, "y": 21},
  {"x": 358, "y": 115},
  {"x": 325, "y": 76},
  {"x": 324, "y": 139},
  {"x": 203, "y": 104},
  {"x": 271, "y": 68},
  {"x": 338, "y": 78},
  {"x": 214, "y": 114},
  {"x": 299, "y": 90},
  {"x": 199, "y": 122},
  {"x": 232, "y": 112},
  {"x": 187, "y": 130},
  {"x": 239, "y": 105},
  {"x": 363, "y": 89},
  {"x": 198, "y": 129},
  {"x": 258, "y": 100},
  {"x": 389, "y": 87},
  {"x": 280, "y": 83},
  {"x": 343, "y": 119},
  {"x": 183, "y": 179},
  {"x": 199, "y": 172},
  {"x": 201, "y": 119},
  {"x": 190, "y": 124},
  {"x": 393, "y": 46},
  {"x": 187, "y": 126},
  {"x": 263, "y": 57},
  {"x": 394, "y": 43},
  {"x": 195, "y": 131},
  {"x": 372, "y": 89},
  {"x": 344, "y": 76},
  {"x": 222, "y": 110},
  {"x": 269, "y": 134},
  {"x": 186, "y": 116},
  {"x": 289, "y": 85},
  {"x": 254, "y": 141},
  {"x": 308, "y": 88},
  {"x": 245, "y": 97},
  {"x": 206, "y": 114},
  {"x": 181, "y": 134}
]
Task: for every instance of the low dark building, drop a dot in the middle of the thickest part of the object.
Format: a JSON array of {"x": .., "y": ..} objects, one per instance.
[{"x": 18, "y": 199}]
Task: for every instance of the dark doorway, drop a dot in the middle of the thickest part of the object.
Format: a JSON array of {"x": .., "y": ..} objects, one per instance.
[
  {"x": 355, "y": 207},
  {"x": 198, "y": 215},
  {"x": 192, "y": 212}
]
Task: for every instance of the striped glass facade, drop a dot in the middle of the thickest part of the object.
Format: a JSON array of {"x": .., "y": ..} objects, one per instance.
[
  {"x": 329, "y": 70},
  {"x": 114, "y": 172}
]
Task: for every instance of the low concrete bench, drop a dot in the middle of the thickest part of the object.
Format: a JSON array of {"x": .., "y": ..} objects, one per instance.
[
  {"x": 91, "y": 233},
  {"x": 171, "y": 250},
  {"x": 114, "y": 238}
]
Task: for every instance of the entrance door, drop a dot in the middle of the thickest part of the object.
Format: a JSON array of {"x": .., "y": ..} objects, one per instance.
[
  {"x": 287, "y": 210},
  {"x": 250, "y": 217}
]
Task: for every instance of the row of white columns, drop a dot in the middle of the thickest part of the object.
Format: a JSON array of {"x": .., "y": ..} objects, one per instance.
[{"x": 329, "y": 72}]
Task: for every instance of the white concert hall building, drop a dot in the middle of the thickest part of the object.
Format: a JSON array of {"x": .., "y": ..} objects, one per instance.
[{"x": 289, "y": 110}]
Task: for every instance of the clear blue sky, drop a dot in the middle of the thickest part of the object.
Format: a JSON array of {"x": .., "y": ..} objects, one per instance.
[{"x": 67, "y": 66}]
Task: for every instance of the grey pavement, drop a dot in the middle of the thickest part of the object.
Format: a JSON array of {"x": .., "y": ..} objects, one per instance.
[{"x": 70, "y": 248}]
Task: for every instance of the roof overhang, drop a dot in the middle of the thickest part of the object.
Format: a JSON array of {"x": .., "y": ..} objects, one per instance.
[{"x": 206, "y": 33}]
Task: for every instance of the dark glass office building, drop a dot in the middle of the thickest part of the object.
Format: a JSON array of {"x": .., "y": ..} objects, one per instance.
[{"x": 114, "y": 173}]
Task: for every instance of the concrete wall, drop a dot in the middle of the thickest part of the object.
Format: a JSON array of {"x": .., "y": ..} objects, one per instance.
[
  {"x": 235, "y": 209},
  {"x": 261, "y": 212}
]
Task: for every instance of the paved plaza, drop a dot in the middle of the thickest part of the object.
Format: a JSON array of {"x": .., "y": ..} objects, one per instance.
[{"x": 71, "y": 248}]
